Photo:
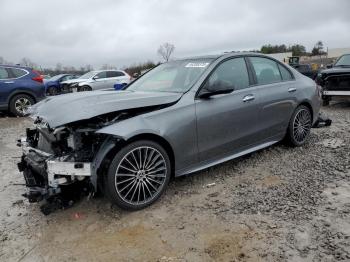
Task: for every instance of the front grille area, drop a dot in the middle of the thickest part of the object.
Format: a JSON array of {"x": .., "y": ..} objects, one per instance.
[{"x": 338, "y": 83}]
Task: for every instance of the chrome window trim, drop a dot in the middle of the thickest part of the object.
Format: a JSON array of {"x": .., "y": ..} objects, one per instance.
[{"x": 14, "y": 78}]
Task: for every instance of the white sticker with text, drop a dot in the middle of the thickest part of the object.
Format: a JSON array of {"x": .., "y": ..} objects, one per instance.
[{"x": 197, "y": 64}]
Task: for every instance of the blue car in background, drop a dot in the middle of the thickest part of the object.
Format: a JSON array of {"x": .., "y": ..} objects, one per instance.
[
  {"x": 20, "y": 87},
  {"x": 53, "y": 84}
]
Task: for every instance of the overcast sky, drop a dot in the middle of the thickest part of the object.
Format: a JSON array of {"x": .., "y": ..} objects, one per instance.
[{"x": 118, "y": 32}]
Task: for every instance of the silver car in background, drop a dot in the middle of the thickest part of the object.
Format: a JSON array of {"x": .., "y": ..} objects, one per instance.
[
  {"x": 95, "y": 80},
  {"x": 178, "y": 118}
]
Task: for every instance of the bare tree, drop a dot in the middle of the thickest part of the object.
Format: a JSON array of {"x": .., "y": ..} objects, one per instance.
[
  {"x": 58, "y": 67},
  {"x": 27, "y": 62},
  {"x": 165, "y": 50},
  {"x": 89, "y": 68}
]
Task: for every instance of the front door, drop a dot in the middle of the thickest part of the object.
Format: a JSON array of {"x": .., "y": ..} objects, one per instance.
[
  {"x": 100, "y": 81},
  {"x": 229, "y": 122}
]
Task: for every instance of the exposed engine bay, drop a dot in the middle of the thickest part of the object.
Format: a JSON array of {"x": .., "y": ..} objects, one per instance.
[{"x": 60, "y": 165}]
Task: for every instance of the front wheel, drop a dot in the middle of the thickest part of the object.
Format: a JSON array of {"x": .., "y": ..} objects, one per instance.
[
  {"x": 138, "y": 175},
  {"x": 84, "y": 88},
  {"x": 299, "y": 126}
]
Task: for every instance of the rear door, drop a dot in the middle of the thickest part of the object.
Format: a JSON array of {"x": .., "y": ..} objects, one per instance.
[
  {"x": 227, "y": 123},
  {"x": 6, "y": 85},
  {"x": 277, "y": 92}
]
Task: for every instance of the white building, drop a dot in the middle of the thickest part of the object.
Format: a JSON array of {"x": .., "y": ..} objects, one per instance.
[
  {"x": 283, "y": 57},
  {"x": 336, "y": 52}
]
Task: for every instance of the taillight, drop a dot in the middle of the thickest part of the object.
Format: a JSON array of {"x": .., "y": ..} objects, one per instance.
[{"x": 39, "y": 78}]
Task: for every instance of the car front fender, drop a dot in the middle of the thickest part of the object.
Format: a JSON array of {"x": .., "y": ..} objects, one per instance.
[{"x": 131, "y": 127}]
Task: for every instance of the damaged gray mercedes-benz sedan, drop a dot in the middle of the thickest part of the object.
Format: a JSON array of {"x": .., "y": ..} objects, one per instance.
[{"x": 180, "y": 117}]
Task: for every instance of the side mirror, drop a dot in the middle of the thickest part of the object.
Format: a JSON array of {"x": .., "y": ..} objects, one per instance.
[
  {"x": 95, "y": 77},
  {"x": 218, "y": 87},
  {"x": 329, "y": 65}
]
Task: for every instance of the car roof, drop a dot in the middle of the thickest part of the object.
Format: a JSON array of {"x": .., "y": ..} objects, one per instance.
[
  {"x": 16, "y": 66},
  {"x": 226, "y": 54}
]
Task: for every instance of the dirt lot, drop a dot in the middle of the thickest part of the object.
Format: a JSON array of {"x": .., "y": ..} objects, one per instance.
[{"x": 279, "y": 204}]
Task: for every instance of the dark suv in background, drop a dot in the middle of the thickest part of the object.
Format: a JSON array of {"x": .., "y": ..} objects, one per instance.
[{"x": 20, "y": 87}]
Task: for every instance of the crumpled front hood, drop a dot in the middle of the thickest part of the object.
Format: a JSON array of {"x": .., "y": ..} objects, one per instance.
[
  {"x": 336, "y": 70},
  {"x": 68, "y": 108}
]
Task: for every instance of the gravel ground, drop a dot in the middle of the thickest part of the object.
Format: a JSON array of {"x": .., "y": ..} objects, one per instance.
[{"x": 278, "y": 204}]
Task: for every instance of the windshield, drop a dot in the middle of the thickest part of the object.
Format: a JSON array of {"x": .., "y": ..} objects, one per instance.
[
  {"x": 88, "y": 75},
  {"x": 174, "y": 76},
  {"x": 343, "y": 61},
  {"x": 54, "y": 78}
]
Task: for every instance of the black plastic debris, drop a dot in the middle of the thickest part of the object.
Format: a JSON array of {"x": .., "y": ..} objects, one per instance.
[{"x": 322, "y": 121}]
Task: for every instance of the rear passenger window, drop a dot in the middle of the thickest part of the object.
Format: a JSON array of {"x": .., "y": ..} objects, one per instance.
[
  {"x": 286, "y": 75},
  {"x": 233, "y": 72},
  {"x": 114, "y": 74},
  {"x": 3, "y": 73},
  {"x": 18, "y": 72},
  {"x": 266, "y": 70}
]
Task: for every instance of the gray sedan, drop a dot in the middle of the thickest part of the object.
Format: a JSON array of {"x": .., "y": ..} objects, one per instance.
[{"x": 180, "y": 117}]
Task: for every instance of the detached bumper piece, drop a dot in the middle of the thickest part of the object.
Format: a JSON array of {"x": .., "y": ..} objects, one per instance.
[
  {"x": 322, "y": 121},
  {"x": 59, "y": 184}
]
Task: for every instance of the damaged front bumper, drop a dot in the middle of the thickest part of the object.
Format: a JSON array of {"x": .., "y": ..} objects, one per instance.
[{"x": 47, "y": 176}]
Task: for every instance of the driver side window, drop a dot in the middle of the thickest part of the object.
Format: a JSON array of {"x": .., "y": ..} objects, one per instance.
[
  {"x": 102, "y": 75},
  {"x": 232, "y": 73}
]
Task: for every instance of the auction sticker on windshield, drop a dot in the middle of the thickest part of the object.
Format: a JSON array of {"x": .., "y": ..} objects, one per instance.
[{"x": 197, "y": 64}]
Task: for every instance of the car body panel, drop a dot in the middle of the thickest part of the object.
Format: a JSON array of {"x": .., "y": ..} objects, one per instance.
[
  {"x": 57, "y": 83},
  {"x": 90, "y": 104},
  {"x": 15, "y": 85},
  {"x": 102, "y": 82}
]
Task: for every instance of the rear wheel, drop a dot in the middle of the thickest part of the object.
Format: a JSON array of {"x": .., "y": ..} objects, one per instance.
[
  {"x": 299, "y": 126},
  {"x": 20, "y": 103},
  {"x": 52, "y": 91},
  {"x": 138, "y": 175}
]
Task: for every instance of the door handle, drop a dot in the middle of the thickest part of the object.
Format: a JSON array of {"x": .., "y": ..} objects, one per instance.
[
  {"x": 9, "y": 82},
  {"x": 292, "y": 89},
  {"x": 248, "y": 98}
]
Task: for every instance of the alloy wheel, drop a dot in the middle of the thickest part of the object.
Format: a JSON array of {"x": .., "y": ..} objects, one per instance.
[
  {"x": 140, "y": 175},
  {"x": 22, "y": 104},
  {"x": 301, "y": 125}
]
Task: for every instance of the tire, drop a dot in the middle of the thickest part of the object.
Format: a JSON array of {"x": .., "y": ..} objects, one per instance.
[
  {"x": 325, "y": 101},
  {"x": 299, "y": 126},
  {"x": 52, "y": 91},
  {"x": 129, "y": 184},
  {"x": 19, "y": 103},
  {"x": 85, "y": 88}
]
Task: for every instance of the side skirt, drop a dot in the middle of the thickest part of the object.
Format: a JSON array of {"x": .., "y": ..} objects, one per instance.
[{"x": 206, "y": 164}]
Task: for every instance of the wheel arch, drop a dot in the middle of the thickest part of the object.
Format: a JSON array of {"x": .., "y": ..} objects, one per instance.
[
  {"x": 113, "y": 144},
  {"x": 20, "y": 92},
  {"x": 308, "y": 105}
]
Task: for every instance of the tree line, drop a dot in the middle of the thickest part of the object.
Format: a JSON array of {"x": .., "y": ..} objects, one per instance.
[
  {"x": 296, "y": 49},
  {"x": 165, "y": 51}
]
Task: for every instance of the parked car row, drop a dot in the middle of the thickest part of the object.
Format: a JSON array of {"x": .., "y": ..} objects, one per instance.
[
  {"x": 21, "y": 87},
  {"x": 96, "y": 80}
]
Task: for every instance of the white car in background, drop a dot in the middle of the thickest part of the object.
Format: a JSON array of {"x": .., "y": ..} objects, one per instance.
[{"x": 95, "y": 80}]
